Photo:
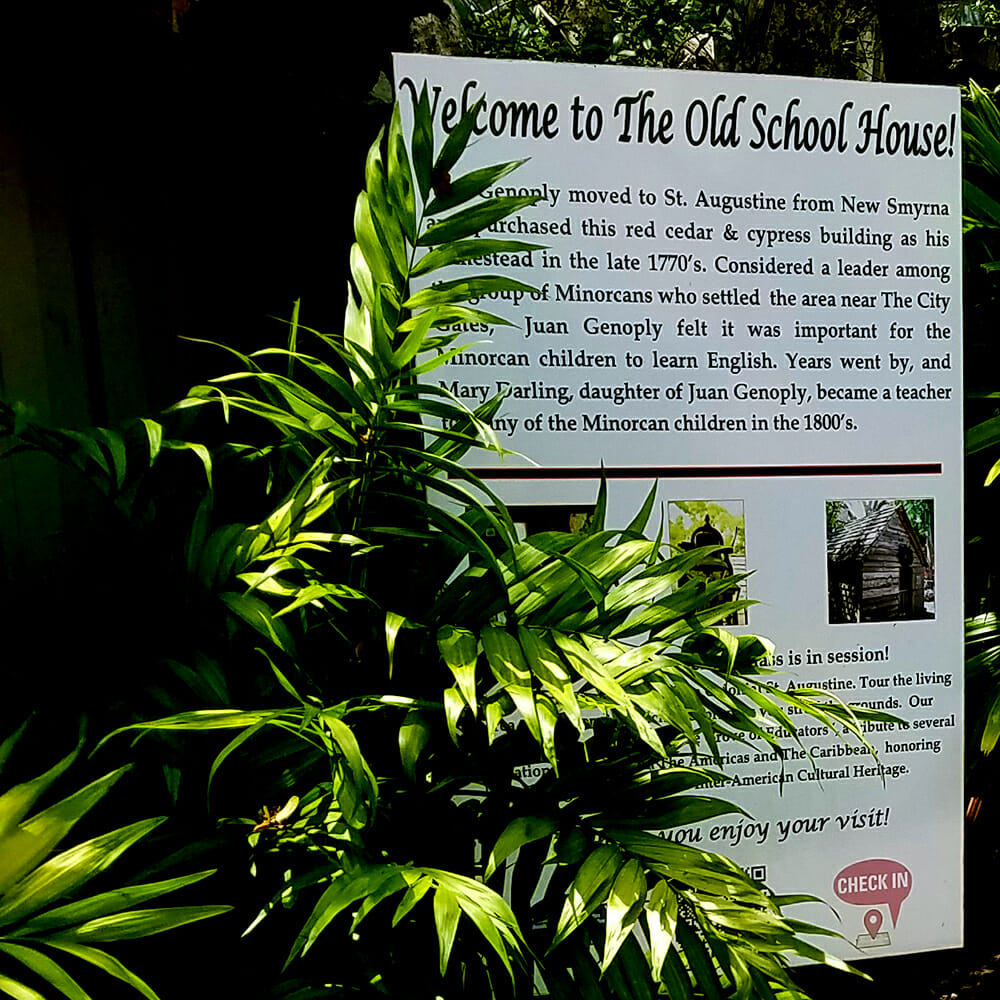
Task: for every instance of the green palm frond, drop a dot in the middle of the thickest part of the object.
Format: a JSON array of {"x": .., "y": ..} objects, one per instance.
[{"x": 43, "y": 911}]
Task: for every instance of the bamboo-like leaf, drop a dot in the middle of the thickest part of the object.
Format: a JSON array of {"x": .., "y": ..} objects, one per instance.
[
  {"x": 415, "y": 891},
  {"x": 393, "y": 623},
  {"x": 682, "y": 810},
  {"x": 7, "y": 747},
  {"x": 154, "y": 437},
  {"x": 449, "y": 524},
  {"x": 383, "y": 328},
  {"x": 821, "y": 957},
  {"x": 494, "y": 932},
  {"x": 991, "y": 730},
  {"x": 203, "y": 720},
  {"x": 400, "y": 178},
  {"x": 136, "y": 924},
  {"x": 36, "y": 837},
  {"x": 422, "y": 142},
  {"x": 362, "y": 787},
  {"x": 588, "y": 890},
  {"x": 16, "y": 801},
  {"x": 641, "y": 519},
  {"x": 234, "y": 744},
  {"x": 628, "y": 975},
  {"x": 258, "y": 615},
  {"x": 702, "y": 970},
  {"x": 771, "y": 971},
  {"x": 203, "y": 454},
  {"x": 87, "y": 448},
  {"x": 446, "y": 914},
  {"x": 462, "y": 289},
  {"x": 461, "y": 251},
  {"x": 548, "y": 717},
  {"x": 388, "y": 888},
  {"x": 490, "y": 913},
  {"x": 414, "y": 735},
  {"x": 507, "y": 662},
  {"x": 342, "y": 892},
  {"x": 982, "y": 435},
  {"x": 70, "y": 869},
  {"x": 437, "y": 361},
  {"x": 675, "y": 977},
  {"x": 458, "y": 138},
  {"x": 368, "y": 241},
  {"x": 624, "y": 907},
  {"x": 471, "y": 220},
  {"x": 414, "y": 342},
  {"x": 454, "y": 705},
  {"x": 447, "y": 316},
  {"x": 661, "y": 922},
  {"x": 18, "y": 990},
  {"x": 362, "y": 277},
  {"x": 357, "y": 328},
  {"x": 314, "y": 593},
  {"x": 387, "y": 227},
  {"x": 114, "y": 446},
  {"x": 985, "y": 209},
  {"x": 46, "y": 968},
  {"x": 469, "y": 185},
  {"x": 520, "y": 831},
  {"x": 106, "y": 963},
  {"x": 460, "y": 650},
  {"x": 495, "y": 711},
  {"x": 103, "y": 904}
]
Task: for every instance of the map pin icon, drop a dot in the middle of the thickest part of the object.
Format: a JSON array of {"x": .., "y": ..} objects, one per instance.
[{"x": 873, "y": 921}]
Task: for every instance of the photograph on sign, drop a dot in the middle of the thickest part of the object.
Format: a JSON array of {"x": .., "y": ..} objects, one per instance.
[
  {"x": 720, "y": 524},
  {"x": 880, "y": 560}
]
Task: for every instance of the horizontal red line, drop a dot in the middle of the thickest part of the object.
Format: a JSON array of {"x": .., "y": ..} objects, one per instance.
[{"x": 713, "y": 471}]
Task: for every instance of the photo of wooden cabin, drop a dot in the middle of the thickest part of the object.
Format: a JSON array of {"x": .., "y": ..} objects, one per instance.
[{"x": 879, "y": 566}]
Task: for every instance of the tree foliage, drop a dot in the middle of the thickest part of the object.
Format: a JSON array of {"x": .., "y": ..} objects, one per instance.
[
  {"x": 851, "y": 39},
  {"x": 43, "y": 919}
]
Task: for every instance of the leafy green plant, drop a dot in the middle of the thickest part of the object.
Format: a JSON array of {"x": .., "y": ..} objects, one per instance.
[
  {"x": 43, "y": 917},
  {"x": 518, "y": 675},
  {"x": 112, "y": 461},
  {"x": 507, "y": 738},
  {"x": 490, "y": 737}
]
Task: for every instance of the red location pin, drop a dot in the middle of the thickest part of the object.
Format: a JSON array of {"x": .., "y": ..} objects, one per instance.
[{"x": 873, "y": 921}]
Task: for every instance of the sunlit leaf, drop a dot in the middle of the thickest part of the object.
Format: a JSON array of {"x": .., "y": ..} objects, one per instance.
[
  {"x": 471, "y": 220},
  {"x": 16, "y": 801},
  {"x": 446, "y": 914},
  {"x": 462, "y": 251},
  {"x": 588, "y": 890},
  {"x": 26, "y": 846},
  {"x": 462, "y": 189},
  {"x": 70, "y": 869},
  {"x": 520, "y": 831},
  {"x": 661, "y": 921},
  {"x": 458, "y": 138},
  {"x": 414, "y": 735},
  {"x": 460, "y": 650},
  {"x": 106, "y": 963},
  {"x": 136, "y": 924}
]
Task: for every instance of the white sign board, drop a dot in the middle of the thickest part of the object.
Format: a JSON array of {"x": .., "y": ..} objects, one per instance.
[{"x": 751, "y": 292}]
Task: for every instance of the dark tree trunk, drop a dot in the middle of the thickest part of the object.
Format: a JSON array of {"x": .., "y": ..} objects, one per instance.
[{"x": 912, "y": 44}]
